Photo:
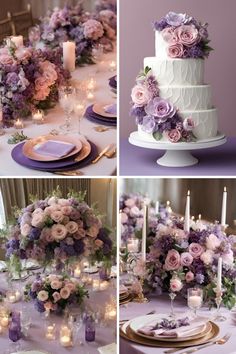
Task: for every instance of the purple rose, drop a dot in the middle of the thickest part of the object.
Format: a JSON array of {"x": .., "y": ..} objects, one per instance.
[
  {"x": 174, "y": 135},
  {"x": 149, "y": 124},
  {"x": 161, "y": 109},
  {"x": 186, "y": 259},
  {"x": 174, "y": 19}
]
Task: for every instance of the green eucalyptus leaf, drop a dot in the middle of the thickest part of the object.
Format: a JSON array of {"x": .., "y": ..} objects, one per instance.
[{"x": 157, "y": 136}]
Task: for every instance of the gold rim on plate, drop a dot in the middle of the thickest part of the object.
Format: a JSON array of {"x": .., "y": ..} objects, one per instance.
[
  {"x": 84, "y": 152},
  {"x": 99, "y": 108},
  {"x": 125, "y": 301},
  {"x": 127, "y": 333},
  {"x": 28, "y": 147}
]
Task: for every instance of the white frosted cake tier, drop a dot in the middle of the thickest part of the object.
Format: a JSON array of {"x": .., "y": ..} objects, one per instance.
[
  {"x": 160, "y": 46},
  {"x": 176, "y": 72},
  {"x": 205, "y": 121},
  {"x": 188, "y": 97}
]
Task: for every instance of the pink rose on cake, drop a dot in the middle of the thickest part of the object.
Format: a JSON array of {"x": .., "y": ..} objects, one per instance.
[
  {"x": 187, "y": 35},
  {"x": 174, "y": 135},
  {"x": 140, "y": 95},
  {"x": 188, "y": 124},
  {"x": 172, "y": 261},
  {"x": 169, "y": 35},
  {"x": 176, "y": 50}
]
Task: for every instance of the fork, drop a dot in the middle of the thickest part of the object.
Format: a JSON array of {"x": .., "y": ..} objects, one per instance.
[
  {"x": 111, "y": 153},
  {"x": 220, "y": 341}
]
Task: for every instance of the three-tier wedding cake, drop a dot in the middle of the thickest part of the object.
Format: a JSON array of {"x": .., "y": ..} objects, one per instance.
[{"x": 170, "y": 100}]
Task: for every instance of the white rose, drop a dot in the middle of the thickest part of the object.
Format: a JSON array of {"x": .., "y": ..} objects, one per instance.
[
  {"x": 207, "y": 257},
  {"x": 25, "y": 230},
  {"x": 42, "y": 295},
  {"x": 38, "y": 220},
  {"x": 52, "y": 200},
  {"x": 63, "y": 202},
  {"x": 212, "y": 242},
  {"x": 228, "y": 258}
]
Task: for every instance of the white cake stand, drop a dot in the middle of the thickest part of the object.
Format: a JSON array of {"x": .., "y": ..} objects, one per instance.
[{"x": 177, "y": 154}]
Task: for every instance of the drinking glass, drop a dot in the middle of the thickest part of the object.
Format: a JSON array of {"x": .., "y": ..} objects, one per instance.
[
  {"x": 66, "y": 100},
  {"x": 195, "y": 298},
  {"x": 79, "y": 109},
  {"x": 97, "y": 52},
  {"x": 34, "y": 35}
]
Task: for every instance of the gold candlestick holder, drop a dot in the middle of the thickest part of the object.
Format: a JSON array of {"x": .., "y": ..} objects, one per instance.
[{"x": 140, "y": 297}]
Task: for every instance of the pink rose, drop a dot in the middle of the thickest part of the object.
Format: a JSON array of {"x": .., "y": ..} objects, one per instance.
[
  {"x": 59, "y": 232},
  {"x": 48, "y": 306},
  {"x": 134, "y": 211},
  {"x": 23, "y": 54},
  {"x": 176, "y": 50},
  {"x": 79, "y": 234},
  {"x": 41, "y": 95},
  {"x": 70, "y": 286},
  {"x": 186, "y": 259},
  {"x": 66, "y": 210},
  {"x": 123, "y": 218},
  {"x": 93, "y": 29},
  {"x": 174, "y": 135},
  {"x": 6, "y": 59},
  {"x": 140, "y": 95},
  {"x": 57, "y": 216},
  {"x": 40, "y": 83},
  {"x": 195, "y": 250},
  {"x": 65, "y": 293},
  {"x": 63, "y": 202},
  {"x": 38, "y": 220},
  {"x": 72, "y": 227},
  {"x": 49, "y": 72},
  {"x": 92, "y": 231},
  {"x": 189, "y": 276},
  {"x": 212, "y": 242},
  {"x": 56, "y": 296},
  {"x": 98, "y": 243},
  {"x": 129, "y": 203},
  {"x": 187, "y": 35},
  {"x": 56, "y": 284},
  {"x": 25, "y": 230},
  {"x": 172, "y": 261},
  {"x": 188, "y": 124},
  {"x": 175, "y": 284},
  {"x": 169, "y": 35},
  {"x": 207, "y": 257},
  {"x": 228, "y": 258}
]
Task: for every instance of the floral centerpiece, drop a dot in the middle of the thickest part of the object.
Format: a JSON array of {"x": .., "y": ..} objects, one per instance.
[
  {"x": 57, "y": 229},
  {"x": 85, "y": 29},
  {"x": 54, "y": 293},
  {"x": 178, "y": 260},
  {"x": 155, "y": 115},
  {"x": 186, "y": 37},
  {"x": 106, "y": 5},
  {"x": 29, "y": 80}
]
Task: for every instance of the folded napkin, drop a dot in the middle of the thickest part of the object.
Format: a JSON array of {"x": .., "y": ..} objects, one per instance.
[
  {"x": 195, "y": 326},
  {"x": 111, "y": 108},
  {"x": 108, "y": 349},
  {"x": 54, "y": 148}
]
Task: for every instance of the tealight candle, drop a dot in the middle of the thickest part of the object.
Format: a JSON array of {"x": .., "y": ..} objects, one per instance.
[
  {"x": 18, "y": 295},
  {"x": 66, "y": 336},
  {"x": 91, "y": 84},
  {"x": 112, "y": 65},
  {"x": 17, "y": 40},
  {"x": 12, "y": 298},
  {"x": 96, "y": 284},
  {"x": 194, "y": 301},
  {"x": 104, "y": 285},
  {"x": 4, "y": 321},
  {"x": 38, "y": 117},
  {"x": 77, "y": 272},
  {"x": 110, "y": 312},
  {"x": 69, "y": 55},
  {"x": 19, "y": 124},
  {"x": 50, "y": 332},
  {"x": 90, "y": 96},
  {"x": 133, "y": 245}
]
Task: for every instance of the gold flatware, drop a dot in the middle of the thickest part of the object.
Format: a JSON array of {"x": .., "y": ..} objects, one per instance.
[
  {"x": 101, "y": 129},
  {"x": 220, "y": 341},
  {"x": 102, "y": 153},
  {"x": 69, "y": 173},
  {"x": 111, "y": 153}
]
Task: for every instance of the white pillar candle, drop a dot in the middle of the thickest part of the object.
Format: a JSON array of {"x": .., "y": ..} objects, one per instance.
[
  {"x": 144, "y": 233},
  {"x": 18, "y": 41},
  {"x": 132, "y": 245},
  {"x": 77, "y": 272},
  {"x": 187, "y": 214},
  {"x": 219, "y": 275},
  {"x": 223, "y": 210},
  {"x": 157, "y": 207},
  {"x": 69, "y": 55},
  {"x": 194, "y": 301}
]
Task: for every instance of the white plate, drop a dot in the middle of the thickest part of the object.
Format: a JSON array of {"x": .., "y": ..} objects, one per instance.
[
  {"x": 32, "y": 352},
  {"x": 141, "y": 321},
  {"x": 91, "y": 270}
]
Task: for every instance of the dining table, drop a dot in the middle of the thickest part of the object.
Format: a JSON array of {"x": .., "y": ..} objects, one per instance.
[
  {"x": 55, "y": 117},
  {"x": 35, "y": 338},
  {"x": 160, "y": 304}
]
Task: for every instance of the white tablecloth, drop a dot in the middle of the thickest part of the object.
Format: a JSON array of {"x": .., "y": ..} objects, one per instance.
[{"x": 56, "y": 117}]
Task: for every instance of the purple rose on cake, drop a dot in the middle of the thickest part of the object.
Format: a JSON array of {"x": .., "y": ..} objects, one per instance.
[
  {"x": 161, "y": 109},
  {"x": 174, "y": 19}
]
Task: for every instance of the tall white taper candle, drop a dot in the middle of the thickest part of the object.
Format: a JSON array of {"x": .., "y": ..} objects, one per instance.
[
  {"x": 219, "y": 275},
  {"x": 224, "y": 205},
  {"x": 187, "y": 214},
  {"x": 69, "y": 55},
  {"x": 157, "y": 207},
  {"x": 144, "y": 233}
]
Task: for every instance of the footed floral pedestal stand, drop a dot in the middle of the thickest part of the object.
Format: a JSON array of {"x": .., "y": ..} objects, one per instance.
[{"x": 177, "y": 154}]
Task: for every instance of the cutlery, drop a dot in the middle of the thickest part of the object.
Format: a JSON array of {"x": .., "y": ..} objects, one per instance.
[
  {"x": 220, "y": 341},
  {"x": 69, "y": 173},
  {"x": 101, "y": 129},
  {"x": 102, "y": 153},
  {"x": 111, "y": 153},
  {"x": 149, "y": 313}
]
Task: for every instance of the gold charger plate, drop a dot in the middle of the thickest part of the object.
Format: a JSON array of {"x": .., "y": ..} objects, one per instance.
[
  {"x": 131, "y": 336},
  {"x": 28, "y": 147},
  {"x": 205, "y": 331},
  {"x": 84, "y": 152},
  {"x": 124, "y": 296},
  {"x": 99, "y": 108},
  {"x": 125, "y": 301}
]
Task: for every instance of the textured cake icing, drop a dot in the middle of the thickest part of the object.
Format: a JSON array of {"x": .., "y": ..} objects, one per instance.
[{"x": 171, "y": 99}]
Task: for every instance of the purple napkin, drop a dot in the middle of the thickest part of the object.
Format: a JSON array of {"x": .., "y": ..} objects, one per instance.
[
  {"x": 96, "y": 118},
  {"x": 54, "y": 148},
  {"x": 111, "y": 108}
]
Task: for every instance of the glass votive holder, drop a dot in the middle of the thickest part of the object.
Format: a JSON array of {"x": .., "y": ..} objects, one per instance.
[
  {"x": 50, "y": 331},
  {"x": 90, "y": 329},
  {"x": 195, "y": 297},
  {"x": 19, "y": 124},
  {"x": 96, "y": 284},
  {"x": 77, "y": 271},
  {"x": 12, "y": 296},
  {"x": 66, "y": 336},
  {"x": 133, "y": 245},
  {"x": 4, "y": 320},
  {"x": 90, "y": 96},
  {"x": 38, "y": 116}
]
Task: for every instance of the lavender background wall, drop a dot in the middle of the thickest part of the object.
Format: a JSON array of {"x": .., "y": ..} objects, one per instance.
[{"x": 137, "y": 42}]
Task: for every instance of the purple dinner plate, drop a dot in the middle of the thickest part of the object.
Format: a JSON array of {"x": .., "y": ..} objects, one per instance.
[
  {"x": 52, "y": 166},
  {"x": 113, "y": 82},
  {"x": 96, "y": 118}
]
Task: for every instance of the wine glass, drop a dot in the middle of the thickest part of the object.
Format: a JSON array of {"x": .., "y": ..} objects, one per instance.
[
  {"x": 195, "y": 298},
  {"x": 66, "y": 100},
  {"x": 34, "y": 35},
  {"x": 79, "y": 109},
  {"x": 97, "y": 52},
  {"x": 79, "y": 318}
]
